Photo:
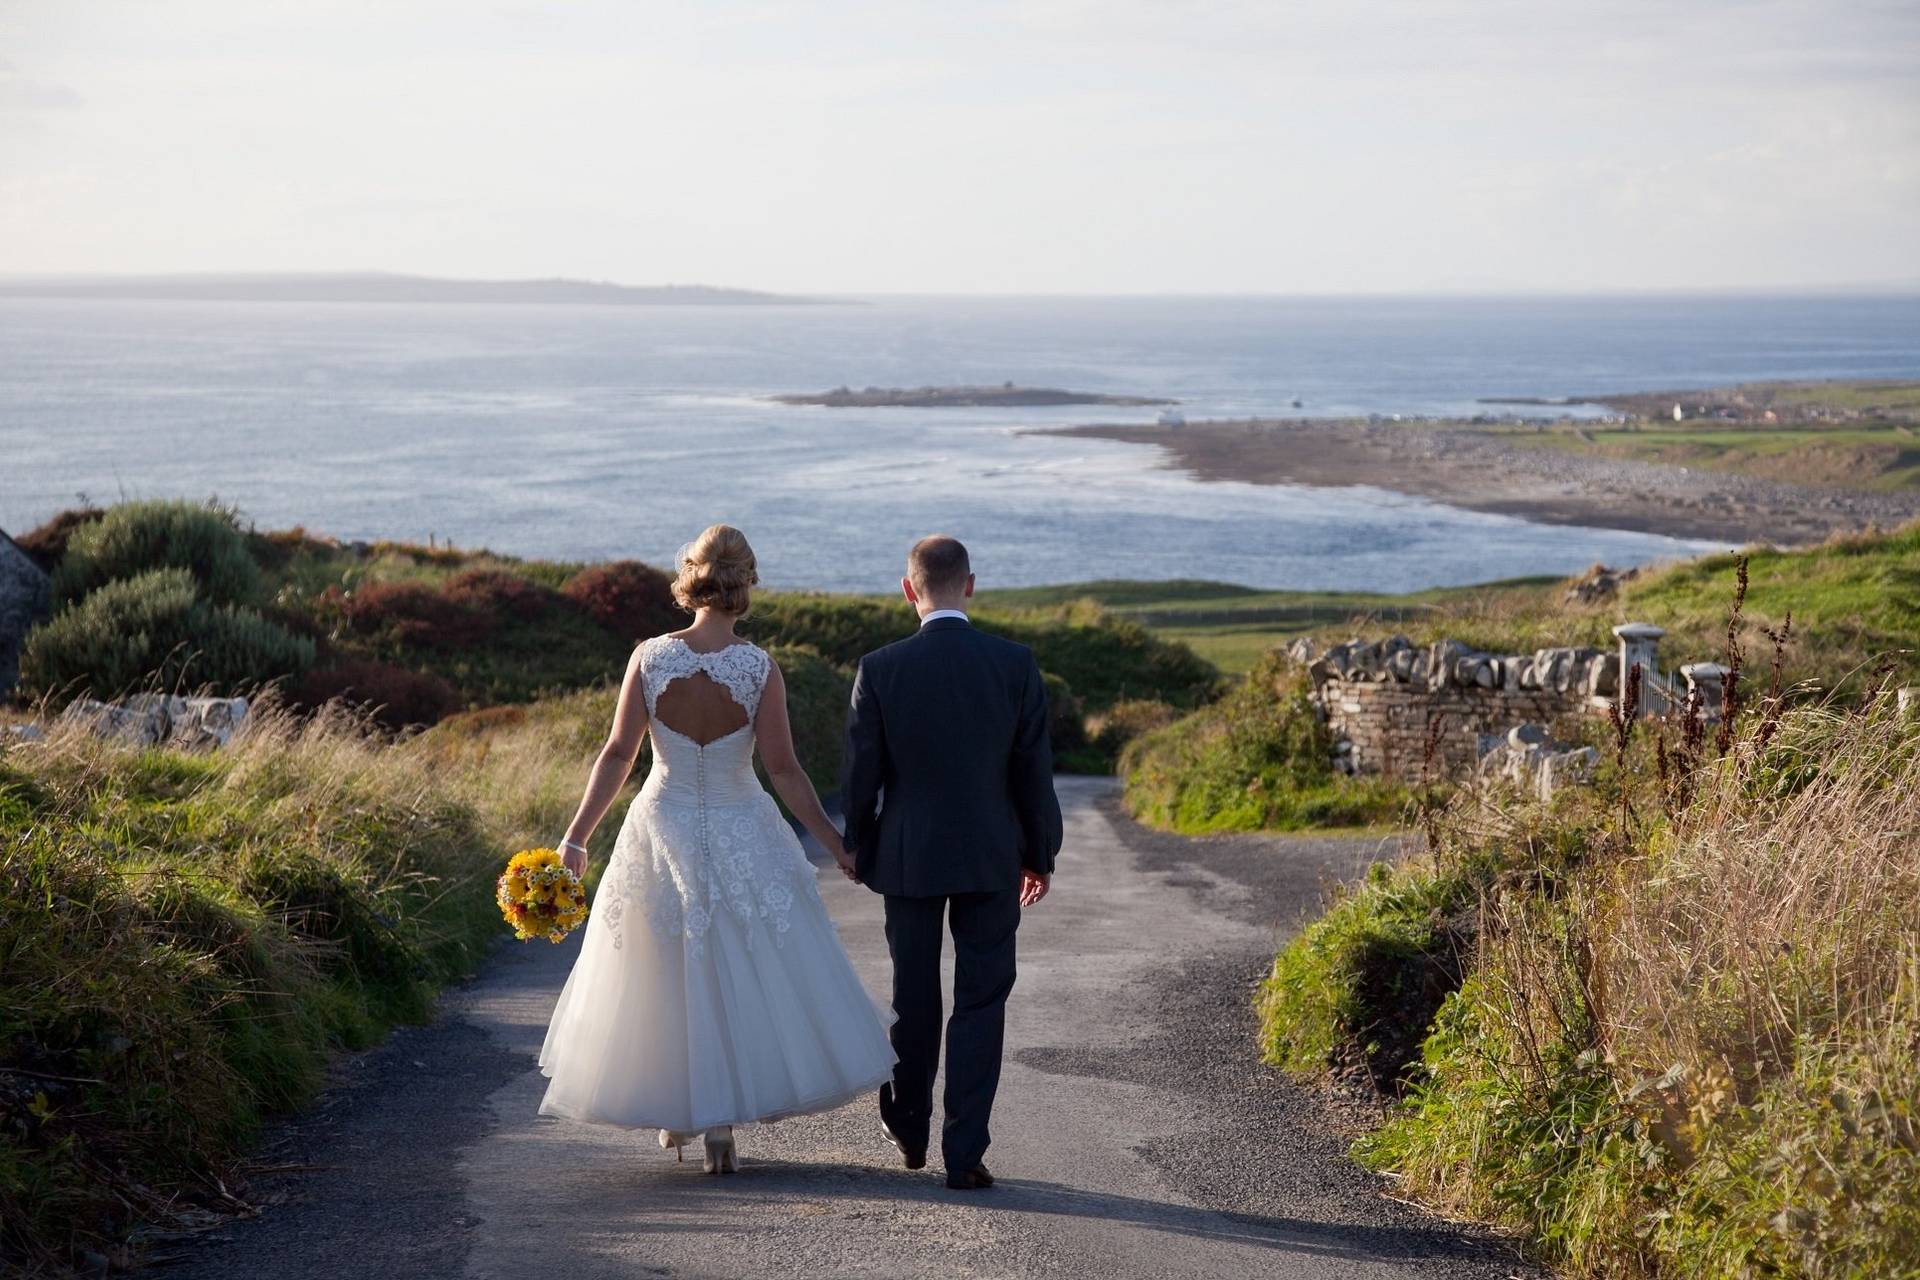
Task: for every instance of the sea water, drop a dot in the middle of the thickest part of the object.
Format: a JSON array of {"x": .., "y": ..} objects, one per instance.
[{"x": 592, "y": 432}]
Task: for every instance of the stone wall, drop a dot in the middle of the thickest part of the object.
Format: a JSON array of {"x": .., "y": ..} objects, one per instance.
[{"x": 1384, "y": 702}]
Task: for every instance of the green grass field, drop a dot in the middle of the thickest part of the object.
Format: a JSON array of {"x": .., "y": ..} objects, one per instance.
[{"x": 1231, "y": 626}]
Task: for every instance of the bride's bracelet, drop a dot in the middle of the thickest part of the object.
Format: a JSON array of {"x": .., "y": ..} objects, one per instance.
[{"x": 568, "y": 844}]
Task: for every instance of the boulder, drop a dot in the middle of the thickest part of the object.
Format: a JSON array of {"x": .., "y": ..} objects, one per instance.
[
  {"x": 149, "y": 719},
  {"x": 26, "y": 598}
]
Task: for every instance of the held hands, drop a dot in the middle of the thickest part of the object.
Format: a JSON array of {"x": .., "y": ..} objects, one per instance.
[
  {"x": 842, "y": 856},
  {"x": 844, "y": 861},
  {"x": 1033, "y": 887}
]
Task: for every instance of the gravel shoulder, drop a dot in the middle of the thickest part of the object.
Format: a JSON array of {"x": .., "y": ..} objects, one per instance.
[{"x": 1136, "y": 1135}]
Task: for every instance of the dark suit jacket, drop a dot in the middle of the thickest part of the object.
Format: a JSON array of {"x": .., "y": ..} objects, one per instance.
[{"x": 948, "y": 781}]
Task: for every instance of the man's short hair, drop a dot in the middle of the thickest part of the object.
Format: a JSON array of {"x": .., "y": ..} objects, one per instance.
[{"x": 938, "y": 566}]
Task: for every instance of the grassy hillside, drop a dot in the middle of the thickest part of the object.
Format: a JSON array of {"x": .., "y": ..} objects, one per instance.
[
  {"x": 185, "y": 938},
  {"x": 1669, "y": 1027}
]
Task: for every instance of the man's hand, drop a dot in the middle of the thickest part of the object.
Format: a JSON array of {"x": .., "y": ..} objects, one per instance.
[
  {"x": 1033, "y": 887},
  {"x": 575, "y": 860}
]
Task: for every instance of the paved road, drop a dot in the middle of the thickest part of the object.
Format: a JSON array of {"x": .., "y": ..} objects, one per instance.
[{"x": 1135, "y": 1134}]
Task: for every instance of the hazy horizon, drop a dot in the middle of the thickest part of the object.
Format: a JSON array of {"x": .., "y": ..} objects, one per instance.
[
  {"x": 1053, "y": 147},
  {"x": 1831, "y": 289}
]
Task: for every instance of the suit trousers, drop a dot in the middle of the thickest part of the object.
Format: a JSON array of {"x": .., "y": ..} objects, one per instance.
[{"x": 983, "y": 926}]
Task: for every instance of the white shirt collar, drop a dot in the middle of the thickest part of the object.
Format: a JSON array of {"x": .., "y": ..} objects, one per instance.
[{"x": 938, "y": 614}]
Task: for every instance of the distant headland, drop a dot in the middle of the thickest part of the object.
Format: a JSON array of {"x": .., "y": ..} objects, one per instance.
[
  {"x": 1004, "y": 396},
  {"x": 377, "y": 286}
]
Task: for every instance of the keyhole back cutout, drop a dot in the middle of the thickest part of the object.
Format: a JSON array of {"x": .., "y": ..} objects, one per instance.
[{"x": 698, "y": 707}]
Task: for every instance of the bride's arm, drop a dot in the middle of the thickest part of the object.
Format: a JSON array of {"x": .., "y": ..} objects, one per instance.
[
  {"x": 774, "y": 733},
  {"x": 611, "y": 769}
]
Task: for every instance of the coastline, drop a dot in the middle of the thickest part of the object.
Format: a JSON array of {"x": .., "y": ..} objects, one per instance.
[{"x": 1456, "y": 465}]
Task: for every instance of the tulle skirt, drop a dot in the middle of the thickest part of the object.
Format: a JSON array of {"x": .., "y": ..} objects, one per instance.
[{"x": 748, "y": 1018}]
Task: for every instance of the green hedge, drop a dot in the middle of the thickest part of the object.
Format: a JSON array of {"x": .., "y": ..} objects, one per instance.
[
  {"x": 155, "y": 631},
  {"x": 135, "y": 537},
  {"x": 1258, "y": 759}
]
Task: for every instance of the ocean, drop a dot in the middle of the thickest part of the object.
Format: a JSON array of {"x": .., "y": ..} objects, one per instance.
[{"x": 588, "y": 432}]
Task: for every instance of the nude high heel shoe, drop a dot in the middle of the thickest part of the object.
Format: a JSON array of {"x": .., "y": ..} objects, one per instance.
[
  {"x": 719, "y": 1144},
  {"x": 673, "y": 1142}
]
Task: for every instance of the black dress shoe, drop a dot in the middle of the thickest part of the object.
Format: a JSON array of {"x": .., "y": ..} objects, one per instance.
[
  {"x": 914, "y": 1154},
  {"x": 974, "y": 1179}
]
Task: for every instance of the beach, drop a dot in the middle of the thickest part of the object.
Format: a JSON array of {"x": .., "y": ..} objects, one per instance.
[{"x": 1463, "y": 467}]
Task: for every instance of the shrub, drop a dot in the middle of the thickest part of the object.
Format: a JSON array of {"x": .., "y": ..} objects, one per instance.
[
  {"x": 498, "y": 592},
  {"x": 1356, "y": 990},
  {"x": 395, "y": 698},
  {"x": 1105, "y": 659},
  {"x": 630, "y": 599},
  {"x": 818, "y": 692},
  {"x": 1687, "y": 1042},
  {"x": 154, "y": 631},
  {"x": 413, "y": 615},
  {"x": 47, "y": 544},
  {"x": 1257, "y": 759},
  {"x": 136, "y": 537},
  {"x": 1121, "y": 723}
]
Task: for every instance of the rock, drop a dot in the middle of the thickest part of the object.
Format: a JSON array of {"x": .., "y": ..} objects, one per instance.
[
  {"x": 1301, "y": 650},
  {"x": 1597, "y": 585},
  {"x": 1564, "y": 768},
  {"x": 24, "y": 733},
  {"x": 149, "y": 719},
  {"x": 1526, "y": 735},
  {"x": 26, "y": 598},
  {"x": 143, "y": 726},
  {"x": 1487, "y": 674}
]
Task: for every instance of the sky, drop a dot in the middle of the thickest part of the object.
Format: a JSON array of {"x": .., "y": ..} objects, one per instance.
[{"x": 1044, "y": 146}]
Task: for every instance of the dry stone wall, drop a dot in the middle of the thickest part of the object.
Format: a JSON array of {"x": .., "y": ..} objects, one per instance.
[{"x": 1385, "y": 702}]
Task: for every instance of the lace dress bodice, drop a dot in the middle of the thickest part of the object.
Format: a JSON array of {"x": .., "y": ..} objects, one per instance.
[
  {"x": 703, "y": 836},
  {"x": 720, "y": 771}
]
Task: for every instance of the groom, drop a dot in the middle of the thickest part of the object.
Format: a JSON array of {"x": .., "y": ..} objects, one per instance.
[{"x": 948, "y": 789}]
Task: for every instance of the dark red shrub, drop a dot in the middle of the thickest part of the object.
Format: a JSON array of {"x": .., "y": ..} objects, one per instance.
[
  {"x": 413, "y": 614},
  {"x": 630, "y": 599},
  {"x": 396, "y": 698},
  {"x": 47, "y": 545},
  {"x": 501, "y": 594}
]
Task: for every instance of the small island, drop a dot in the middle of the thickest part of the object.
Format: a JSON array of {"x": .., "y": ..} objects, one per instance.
[{"x": 1004, "y": 396}]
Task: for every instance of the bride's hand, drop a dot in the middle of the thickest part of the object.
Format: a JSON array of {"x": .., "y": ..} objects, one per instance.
[{"x": 575, "y": 859}]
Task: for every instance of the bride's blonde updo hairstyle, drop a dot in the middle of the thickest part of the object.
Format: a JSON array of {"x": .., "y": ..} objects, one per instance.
[{"x": 717, "y": 571}]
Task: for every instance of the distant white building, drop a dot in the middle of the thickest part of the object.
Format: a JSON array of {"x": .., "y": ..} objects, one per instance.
[
  {"x": 1678, "y": 414},
  {"x": 1172, "y": 418}
]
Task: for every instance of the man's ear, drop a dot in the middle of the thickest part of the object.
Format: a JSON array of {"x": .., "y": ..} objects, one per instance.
[
  {"x": 906, "y": 589},
  {"x": 969, "y": 591}
]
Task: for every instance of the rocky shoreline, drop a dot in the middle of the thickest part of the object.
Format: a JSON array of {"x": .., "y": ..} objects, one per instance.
[{"x": 1455, "y": 464}]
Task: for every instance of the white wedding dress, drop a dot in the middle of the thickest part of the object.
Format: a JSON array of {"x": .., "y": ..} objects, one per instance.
[{"x": 711, "y": 988}]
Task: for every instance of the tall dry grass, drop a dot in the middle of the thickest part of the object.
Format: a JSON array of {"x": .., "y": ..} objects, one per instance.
[
  {"x": 1691, "y": 1050},
  {"x": 186, "y": 937}
]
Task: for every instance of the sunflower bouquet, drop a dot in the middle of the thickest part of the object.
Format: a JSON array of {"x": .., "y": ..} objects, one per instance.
[{"x": 539, "y": 897}]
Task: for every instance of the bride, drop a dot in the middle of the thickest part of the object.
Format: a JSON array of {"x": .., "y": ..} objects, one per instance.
[{"x": 711, "y": 989}]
